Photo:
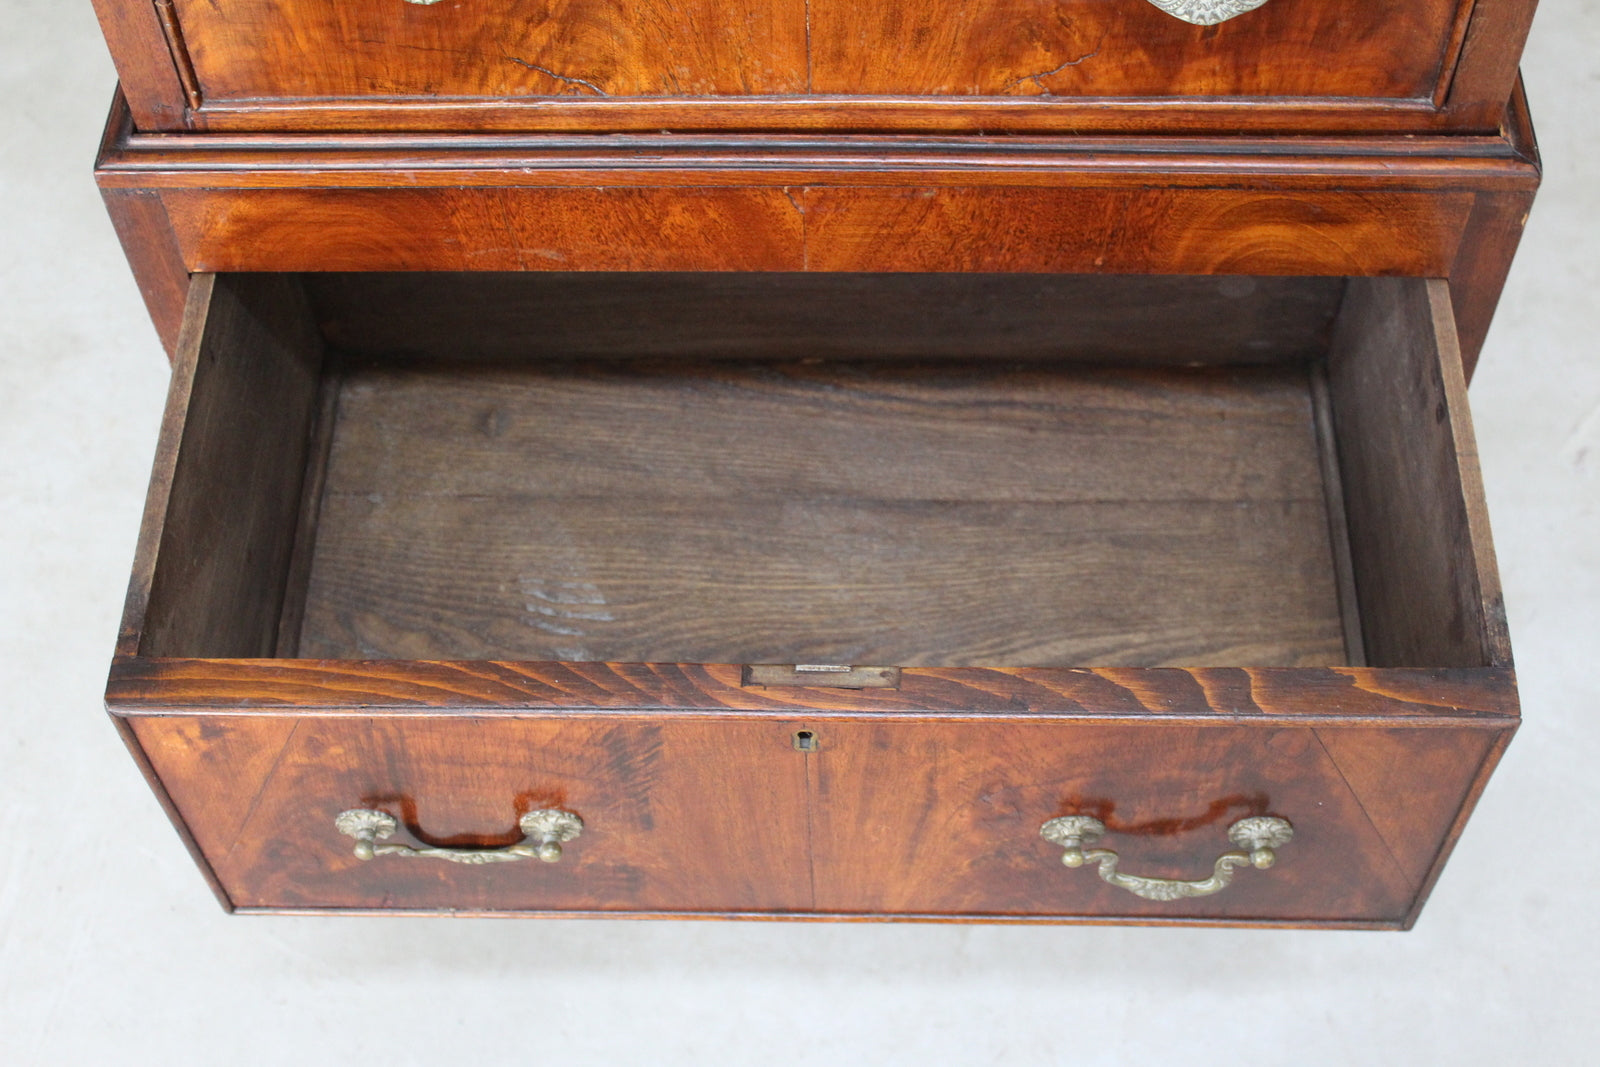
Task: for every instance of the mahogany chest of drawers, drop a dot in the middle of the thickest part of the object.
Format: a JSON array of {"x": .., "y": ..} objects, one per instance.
[{"x": 809, "y": 460}]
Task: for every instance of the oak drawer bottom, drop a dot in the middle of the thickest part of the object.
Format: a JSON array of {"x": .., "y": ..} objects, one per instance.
[{"x": 959, "y": 515}]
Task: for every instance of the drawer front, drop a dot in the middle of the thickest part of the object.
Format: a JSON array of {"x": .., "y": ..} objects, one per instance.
[
  {"x": 254, "y": 49},
  {"x": 945, "y": 819},
  {"x": 885, "y": 819},
  {"x": 674, "y": 816},
  {"x": 534, "y": 64}
]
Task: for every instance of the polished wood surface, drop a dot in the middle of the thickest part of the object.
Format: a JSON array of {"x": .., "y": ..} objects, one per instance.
[
  {"x": 1256, "y": 695},
  {"x": 1130, "y": 48},
  {"x": 726, "y": 816},
  {"x": 1443, "y": 207},
  {"x": 147, "y": 72},
  {"x": 693, "y": 816},
  {"x": 905, "y": 228},
  {"x": 824, "y": 65},
  {"x": 142, "y": 226},
  {"x": 283, "y": 49},
  {"x": 944, "y": 818}
]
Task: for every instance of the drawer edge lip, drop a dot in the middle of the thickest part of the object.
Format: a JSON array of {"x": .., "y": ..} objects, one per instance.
[
  {"x": 128, "y": 156},
  {"x": 908, "y": 113},
  {"x": 1469, "y": 696},
  {"x": 988, "y": 918}
]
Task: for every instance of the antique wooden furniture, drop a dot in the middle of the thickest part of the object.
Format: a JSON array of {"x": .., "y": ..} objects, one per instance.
[
  {"x": 1076, "y": 66},
  {"x": 711, "y": 460}
]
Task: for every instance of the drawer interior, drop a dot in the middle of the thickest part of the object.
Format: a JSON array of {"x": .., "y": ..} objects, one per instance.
[{"x": 903, "y": 470}]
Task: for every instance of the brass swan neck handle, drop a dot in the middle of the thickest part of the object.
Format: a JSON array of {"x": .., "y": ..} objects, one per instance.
[
  {"x": 543, "y": 833},
  {"x": 1259, "y": 834}
]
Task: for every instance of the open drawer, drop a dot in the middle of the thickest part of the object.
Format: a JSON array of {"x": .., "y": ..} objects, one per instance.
[{"x": 818, "y": 595}]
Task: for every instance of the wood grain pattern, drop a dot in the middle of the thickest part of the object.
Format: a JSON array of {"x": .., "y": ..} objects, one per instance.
[
  {"x": 1377, "y": 205},
  {"x": 1261, "y": 696},
  {"x": 147, "y": 73},
  {"x": 1083, "y": 49},
  {"x": 944, "y": 818},
  {"x": 1481, "y": 266},
  {"x": 140, "y": 220},
  {"x": 256, "y": 49},
  {"x": 229, "y": 470},
  {"x": 1063, "y": 230},
  {"x": 724, "y": 816},
  {"x": 130, "y": 741},
  {"x": 1424, "y": 565},
  {"x": 1181, "y": 231},
  {"x": 518, "y": 317},
  {"x": 479, "y": 229},
  {"x": 1491, "y": 50},
  {"x": 1490, "y": 239},
  {"x": 597, "y": 65},
  {"x": 1459, "y": 822},
  {"x": 1384, "y": 767},
  {"x": 691, "y": 816},
  {"x": 805, "y": 513}
]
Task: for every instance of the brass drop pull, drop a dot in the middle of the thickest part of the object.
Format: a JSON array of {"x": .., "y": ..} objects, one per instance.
[
  {"x": 1199, "y": 12},
  {"x": 543, "y": 833},
  {"x": 1260, "y": 834}
]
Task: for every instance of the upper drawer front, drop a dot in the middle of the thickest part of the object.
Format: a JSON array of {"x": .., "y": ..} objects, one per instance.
[
  {"x": 537, "y": 64},
  {"x": 254, "y": 49}
]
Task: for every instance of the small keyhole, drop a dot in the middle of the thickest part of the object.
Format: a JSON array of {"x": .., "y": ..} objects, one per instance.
[{"x": 805, "y": 740}]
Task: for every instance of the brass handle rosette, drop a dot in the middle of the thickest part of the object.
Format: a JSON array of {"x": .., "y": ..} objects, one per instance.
[
  {"x": 1199, "y": 12},
  {"x": 1259, "y": 835},
  {"x": 543, "y": 833}
]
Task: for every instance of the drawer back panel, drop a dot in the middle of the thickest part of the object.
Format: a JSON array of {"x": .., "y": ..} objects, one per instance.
[{"x": 518, "y": 316}]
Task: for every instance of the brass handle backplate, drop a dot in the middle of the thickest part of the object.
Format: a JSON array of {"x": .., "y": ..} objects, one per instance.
[
  {"x": 1199, "y": 12},
  {"x": 1260, "y": 834},
  {"x": 543, "y": 833}
]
